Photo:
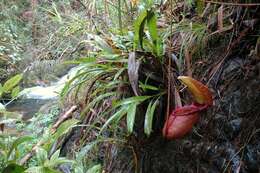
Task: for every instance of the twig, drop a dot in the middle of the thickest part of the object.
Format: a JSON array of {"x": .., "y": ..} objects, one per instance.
[{"x": 65, "y": 116}]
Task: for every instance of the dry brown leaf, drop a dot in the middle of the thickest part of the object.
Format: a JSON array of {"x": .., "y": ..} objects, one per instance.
[
  {"x": 133, "y": 67},
  {"x": 220, "y": 18}
]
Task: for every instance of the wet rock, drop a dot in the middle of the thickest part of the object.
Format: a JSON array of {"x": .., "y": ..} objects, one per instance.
[
  {"x": 233, "y": 128},
  {"x": 219, "y": 162},
  {"x": 27, "y": 107},
  {"x": 232, "y": 67},
  {"x": 234, "y": 158},
  {"x": 251, "y": 159}
]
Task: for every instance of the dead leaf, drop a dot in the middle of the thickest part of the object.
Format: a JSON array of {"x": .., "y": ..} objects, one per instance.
[
  {"x": 200, "y": 92},
  {"x": 220, "y": 18},
  {"x": 133, "y": 68}
]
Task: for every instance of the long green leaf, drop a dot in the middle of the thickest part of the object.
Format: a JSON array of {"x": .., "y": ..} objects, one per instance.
[
  {"x": 65, "y": 128},
  {"x": 131, "y": 117},
  {"x": 130, "y": 100},
  {"x": 152, "y": 26},
  {"x": 139, "y": 29},
  {"x": 96, "y": 100},
  {"x": 148, "y": 123},
  {"x": 115, "y": 118},
  {"x": 153, "y": 30}
]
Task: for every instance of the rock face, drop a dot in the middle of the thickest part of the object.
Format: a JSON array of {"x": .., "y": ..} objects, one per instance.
[
  {"x": 227, "y": 138},
  {"x": 27, "y": 107}
]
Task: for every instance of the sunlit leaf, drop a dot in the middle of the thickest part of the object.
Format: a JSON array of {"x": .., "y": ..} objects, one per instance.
[
  {"x": 11, "y": 83},
  {"x": 131, "y": 117},
  {"x": 152, "y": 27},
  {"x": 148, "y": 123},
  {"x": 15, "y": 92},
  {"x": 139, "y": 29}
]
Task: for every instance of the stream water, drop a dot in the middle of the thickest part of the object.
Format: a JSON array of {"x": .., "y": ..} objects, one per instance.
[
  {"x": 49, "y": 92},
  {"x": 32, "y": 99}
]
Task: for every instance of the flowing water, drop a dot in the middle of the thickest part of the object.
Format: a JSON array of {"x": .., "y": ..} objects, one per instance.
[
  {"x": 49, "y": 92},
  {"x": 32, "y": 99}
]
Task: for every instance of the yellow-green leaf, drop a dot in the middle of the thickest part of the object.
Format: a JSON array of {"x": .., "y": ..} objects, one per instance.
[
  {"x": 11, "y": 83},
  {"x": 139, "y": 29},
  {"x": 15, "y": 92}
]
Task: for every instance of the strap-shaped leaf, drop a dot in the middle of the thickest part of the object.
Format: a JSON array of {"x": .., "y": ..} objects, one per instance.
[
  {"x": 116, "y": 117},
  {"x": 139, "y": 29},
  {"x": 131, "y": 117},
  {"x": 148, "y": 123},
  {"x": 152, "y": 27},
  {"x": 153, "y": 31},
  {"x": 65, "y": 128},
  {"x": 130, "y": 100}
]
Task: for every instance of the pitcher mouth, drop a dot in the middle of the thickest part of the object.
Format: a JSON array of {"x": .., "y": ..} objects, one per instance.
[{"x": 182, "y": 119}]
